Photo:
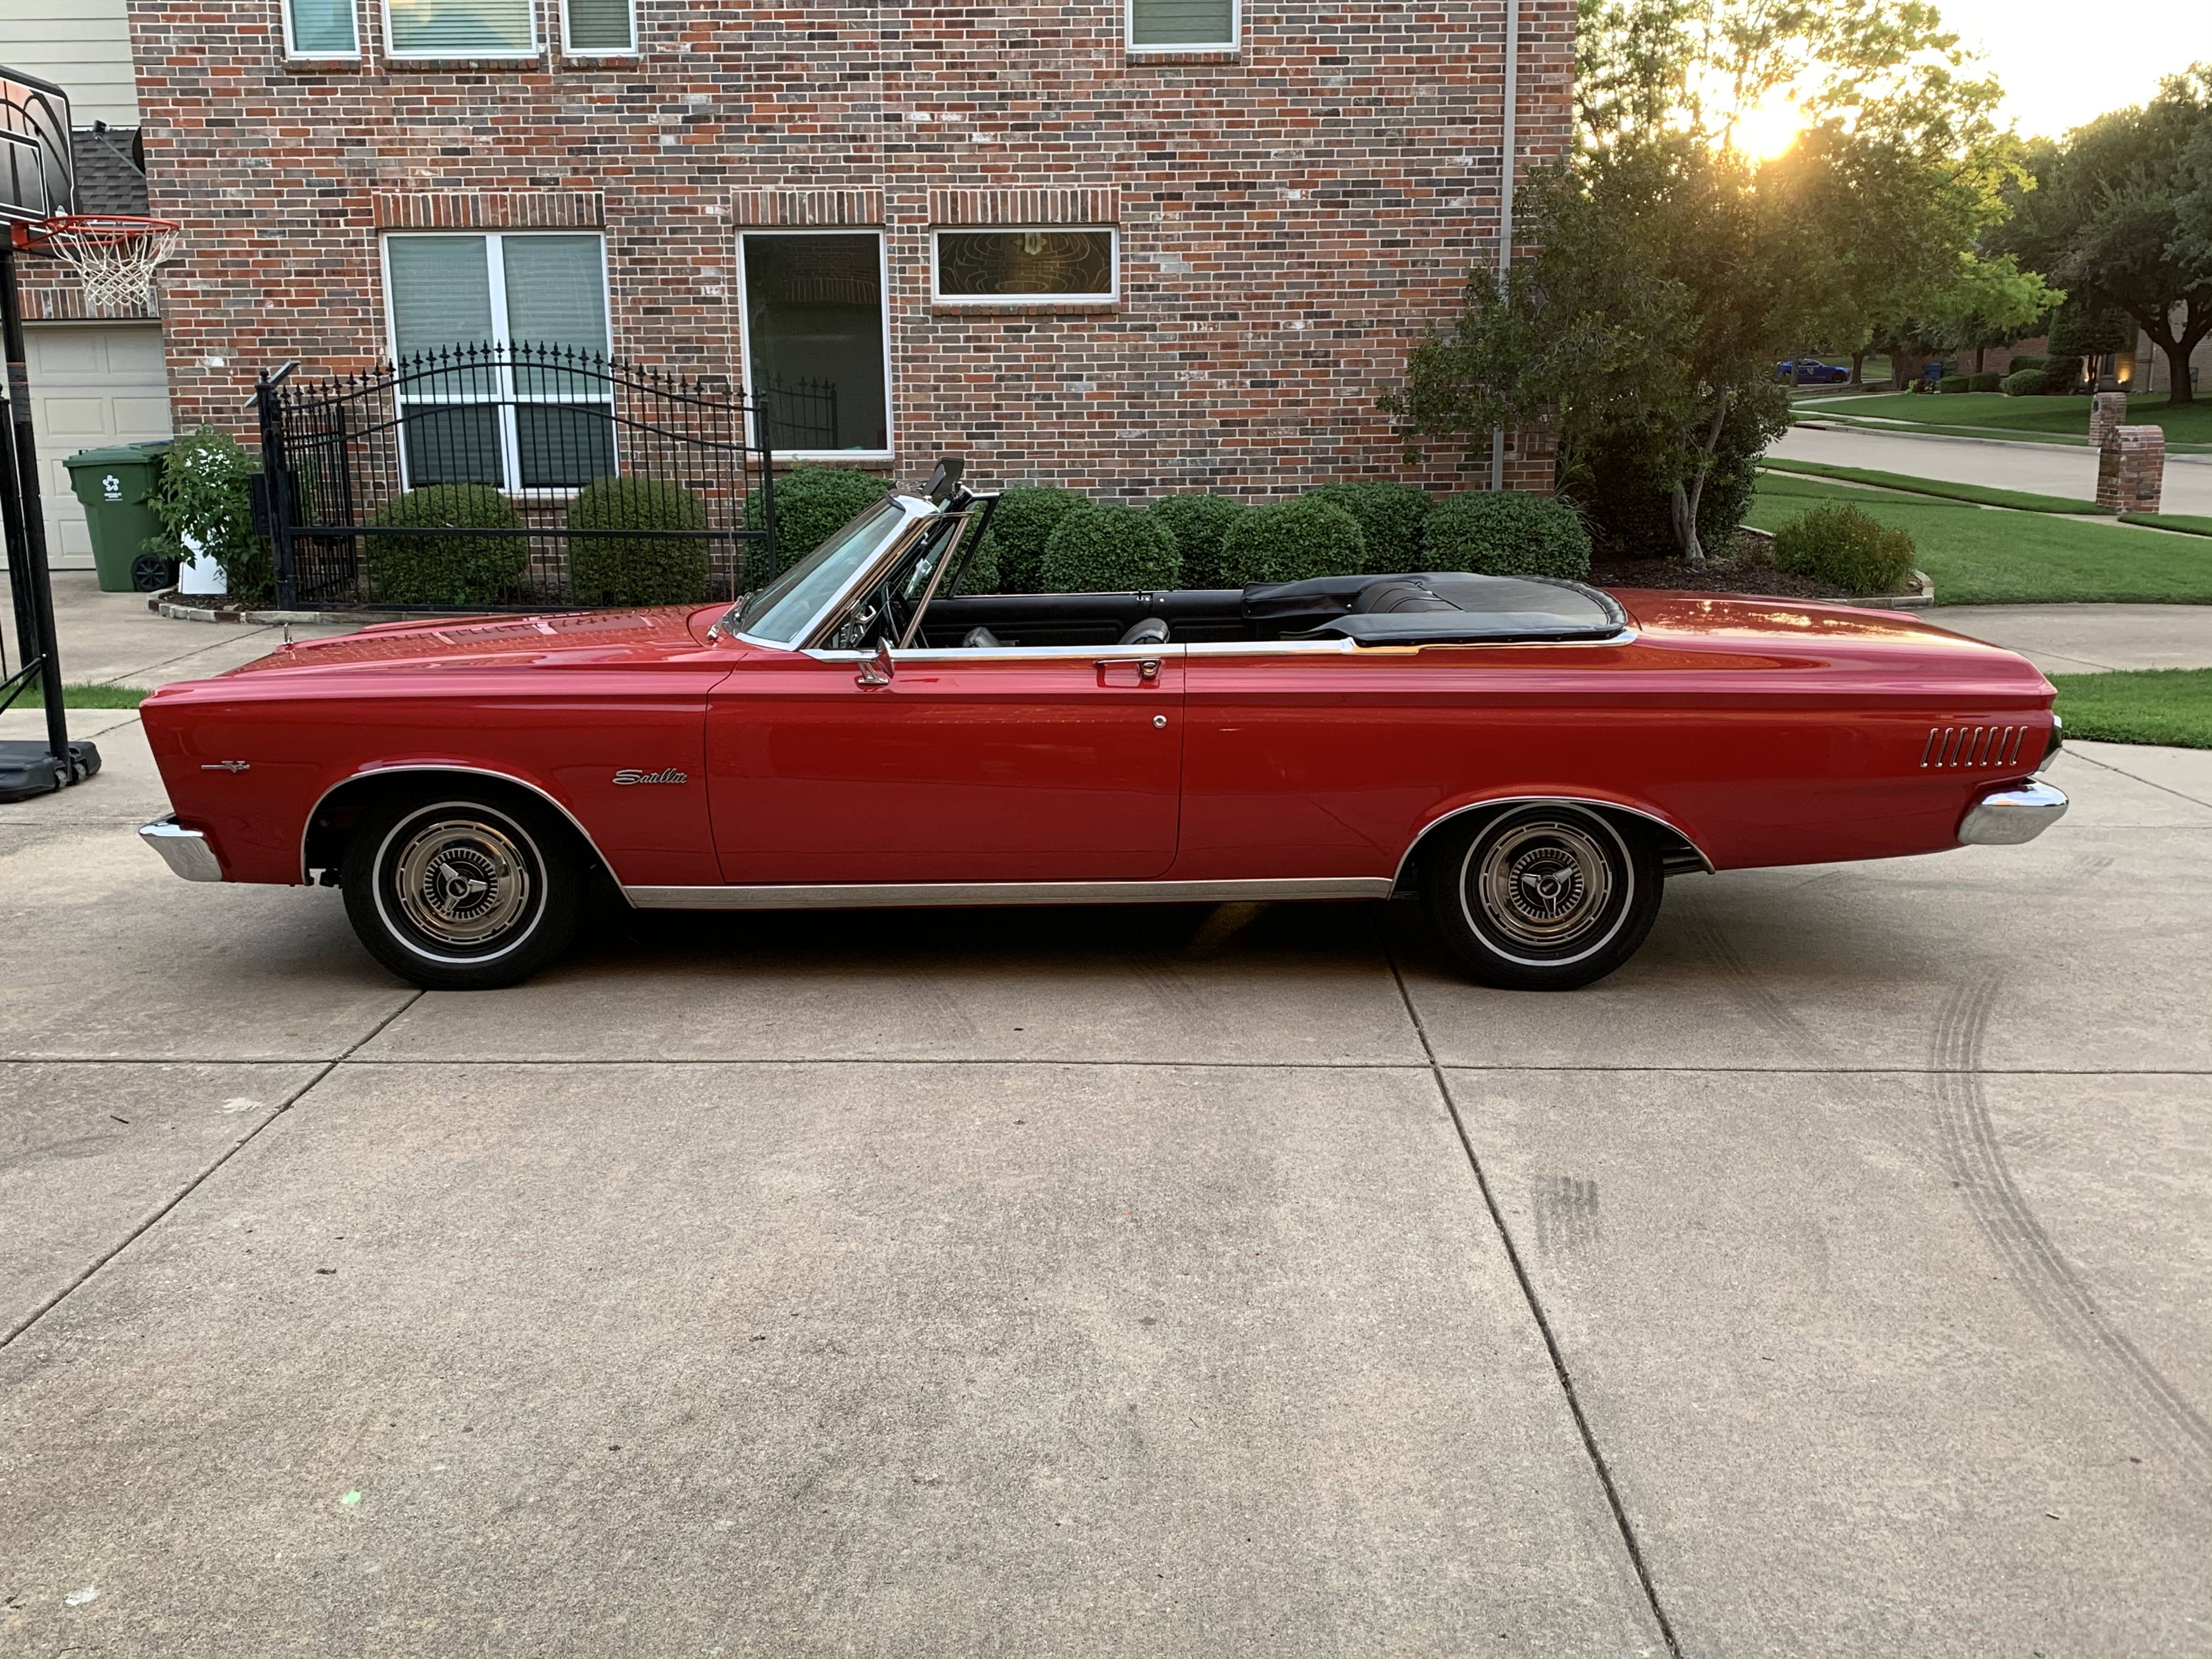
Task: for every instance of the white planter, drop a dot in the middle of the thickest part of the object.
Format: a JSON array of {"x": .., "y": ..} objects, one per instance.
[{"x": 201, "y": 574}]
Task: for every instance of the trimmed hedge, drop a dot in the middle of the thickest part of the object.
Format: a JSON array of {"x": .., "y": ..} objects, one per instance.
[
  {"x": 1103, "y": 548},
  {"x": 1392, "y": 517},
  {"x": 1507, "y": 532},
  {"x": 1292, "y": 542},
  {"x": 644, "y": 570},
  {"x": 812, "y": 503},
  {"x": 2027, "y": 360},
  {"x": 1027, "y": 515},
  {"x": 2024, "y": 383},
  {"x": 457, "y": 569},
  {"x": 1955, "y": 383},
  {"x": 1983, "y": 382},
  {"x": 1199, "y": 524},
  {"x": 1837, "y": 542}
]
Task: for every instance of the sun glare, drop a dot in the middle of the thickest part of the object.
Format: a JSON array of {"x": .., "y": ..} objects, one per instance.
[{"x": 1765, "y": 132}]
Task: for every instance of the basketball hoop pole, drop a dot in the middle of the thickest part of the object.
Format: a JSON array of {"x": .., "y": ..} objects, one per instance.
[{"x": 22, "y": 518}]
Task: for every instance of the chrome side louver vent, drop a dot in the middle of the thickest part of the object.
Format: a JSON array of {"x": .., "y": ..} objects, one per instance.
[{"x": 1972, "y": 746}]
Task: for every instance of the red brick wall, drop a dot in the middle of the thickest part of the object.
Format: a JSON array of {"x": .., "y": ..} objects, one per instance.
[{"x": 1293, "y": 217}]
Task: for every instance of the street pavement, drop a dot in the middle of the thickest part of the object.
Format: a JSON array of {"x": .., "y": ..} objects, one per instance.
[
  {"x": 2042, "y": 469},
  {"x": 1832, "y": 1280}
]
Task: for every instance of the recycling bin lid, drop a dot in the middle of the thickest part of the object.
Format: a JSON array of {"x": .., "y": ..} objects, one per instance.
[{"x": 113, "y": 455}]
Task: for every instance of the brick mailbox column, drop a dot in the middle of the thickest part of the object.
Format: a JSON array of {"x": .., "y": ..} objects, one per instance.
[
  {"x": 2131, "y": 468},
  {"x": 2107, "y": 411}
]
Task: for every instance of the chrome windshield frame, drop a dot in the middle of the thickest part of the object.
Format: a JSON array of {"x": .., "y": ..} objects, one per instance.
[{"x": 870, "y": 570}]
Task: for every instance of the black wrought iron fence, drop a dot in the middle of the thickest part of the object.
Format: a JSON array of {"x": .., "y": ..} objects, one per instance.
[
  {"x": 805, "y": 416},
  {"x": 516, "y": 477}
]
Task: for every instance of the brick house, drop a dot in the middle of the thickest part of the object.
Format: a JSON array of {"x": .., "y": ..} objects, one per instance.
[{"x": 1124, "y": 246}]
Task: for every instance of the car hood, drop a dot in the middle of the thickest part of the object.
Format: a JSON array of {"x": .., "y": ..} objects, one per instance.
[{"x": 590, "y": 636}]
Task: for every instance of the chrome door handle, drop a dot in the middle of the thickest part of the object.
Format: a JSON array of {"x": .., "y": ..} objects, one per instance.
[{"x": 1148, "y": 668}]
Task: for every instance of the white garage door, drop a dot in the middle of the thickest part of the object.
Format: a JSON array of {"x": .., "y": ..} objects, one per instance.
[{"x": 92, "y": 385}]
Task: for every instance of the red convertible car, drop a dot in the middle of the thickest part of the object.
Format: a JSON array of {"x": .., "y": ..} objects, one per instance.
[{"x": 1532, "y": 758}]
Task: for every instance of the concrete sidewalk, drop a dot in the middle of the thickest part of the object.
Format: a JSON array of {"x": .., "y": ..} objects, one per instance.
[
  {"x": 2041, "y": 469},
  {"x": 2085, "y": 639},
  {"x": 114, "y": 639}
]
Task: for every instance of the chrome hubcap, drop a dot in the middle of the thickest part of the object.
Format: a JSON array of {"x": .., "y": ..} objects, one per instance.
[
  {"x": 461, "y": 882},
  {"x": 1541, "y": 884}
]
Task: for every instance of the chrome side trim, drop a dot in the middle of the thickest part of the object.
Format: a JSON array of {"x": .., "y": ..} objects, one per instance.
[
  {"x": 185, "y": 851},
  {"x": 307, "y": 826},
  {"x": 1705, "y": 864},
  {"x": 870, "y": 895},
  {"x": 2005, "y": 818}
]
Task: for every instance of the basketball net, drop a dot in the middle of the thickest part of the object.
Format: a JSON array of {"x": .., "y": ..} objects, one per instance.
[{"x": 114, "y": 255}]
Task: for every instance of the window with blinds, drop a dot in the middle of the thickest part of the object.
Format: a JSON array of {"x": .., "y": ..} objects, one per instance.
[
  {"x": 1184, "y": 24},
  {"x": 598, "y": 26},
  {"x": 320, "y": 29},
  {"x": 460, "y": 28},
  {"x": 504, "y": 291}
]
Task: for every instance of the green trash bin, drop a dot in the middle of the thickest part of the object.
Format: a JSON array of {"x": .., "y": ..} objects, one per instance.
[{"x": 114, "y": 484}]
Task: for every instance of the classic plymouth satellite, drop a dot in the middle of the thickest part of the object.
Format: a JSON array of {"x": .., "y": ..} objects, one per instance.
[{"x": 1532, "y": 757}]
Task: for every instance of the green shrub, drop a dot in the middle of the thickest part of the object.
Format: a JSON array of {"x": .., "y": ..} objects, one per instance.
[
  {"x": 1105, "y": 548},
  {"x": 637, "y": 569},
  {"x": 812, "y": 503},
  {"x": 1626, "y": 496},
  {"x": 201, "y": 493},
  {"x": 1955, "y": 383},
  {"x": 1027, "y": 515},
  {"x": 982, "y": 575},
  {"x": 1292, "y": 542},
  {"x": 1507, "y": 532},
  {"x": 1983, "y": 382},
  {"x": 1199, "y": 524},
  {"x": 457, "y": 569},
  {"x": 1839, "y": 544},
  {"x": 2027, "y": 360},
  {"x": 1392, "y": 517},
  {"x": 2024, "y": 383}
]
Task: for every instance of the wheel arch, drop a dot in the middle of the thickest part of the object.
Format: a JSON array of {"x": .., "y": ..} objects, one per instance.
[
  {"x": 323, "y": 837},
  {"x": 1679, "y": 854}
]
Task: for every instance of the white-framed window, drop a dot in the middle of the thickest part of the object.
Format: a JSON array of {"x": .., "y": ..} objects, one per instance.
[
  {"x": 598, "y": 28},
  {"x": 817, "y": 339},
  {"x": 988, "y": 264},
  {"x": 512, "y": 417},
  {"x": 460, "y": 28},
  {"x": 1184, "y": 25},
  {"x": 320, "y": 28}
]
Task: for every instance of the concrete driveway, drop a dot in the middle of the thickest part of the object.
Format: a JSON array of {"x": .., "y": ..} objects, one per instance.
[
  {"x": 2042, "y": 469},
  {"x": 1832, "y": 1280}
]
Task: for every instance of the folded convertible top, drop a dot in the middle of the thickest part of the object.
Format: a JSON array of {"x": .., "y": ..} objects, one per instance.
[{"x": 1436, "y": 607}]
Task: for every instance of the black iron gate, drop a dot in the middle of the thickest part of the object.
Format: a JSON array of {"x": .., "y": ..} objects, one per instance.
[{"x": 517, "y": 477}]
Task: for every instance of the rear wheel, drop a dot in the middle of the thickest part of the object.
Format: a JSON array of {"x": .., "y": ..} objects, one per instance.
[
  {"x": 1541, "y": 897},
  {"x": 459, "y": 892}
]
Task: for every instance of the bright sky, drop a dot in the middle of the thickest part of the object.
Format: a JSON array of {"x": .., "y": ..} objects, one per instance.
[{"x": 2061, "y": 62}]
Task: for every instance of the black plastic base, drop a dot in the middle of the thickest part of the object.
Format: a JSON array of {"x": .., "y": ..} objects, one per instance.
[{"x": 28, "y": 769}]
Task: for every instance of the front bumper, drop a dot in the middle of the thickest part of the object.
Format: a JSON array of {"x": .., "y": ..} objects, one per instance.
[
  {"x": 2010, "y": 815},
  {"x": 185, "y": 851}
]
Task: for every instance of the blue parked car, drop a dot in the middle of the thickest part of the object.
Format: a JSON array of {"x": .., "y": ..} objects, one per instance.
[{"x": 1813, "y": 373}]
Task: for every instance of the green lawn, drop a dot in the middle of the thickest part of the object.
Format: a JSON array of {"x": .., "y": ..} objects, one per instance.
[
  {"x": 2187, "y": 524},
  {"x": 2154, "y": 705},
  {"x": 2028, "y": 417},
  {"x": 1979, "y": 555},
  {"x": 1958, "y": 492},
  {"x": 84, "y": 696}
]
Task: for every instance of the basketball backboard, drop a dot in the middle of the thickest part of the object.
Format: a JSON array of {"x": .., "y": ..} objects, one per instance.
[{"x": 37, "y": 177}]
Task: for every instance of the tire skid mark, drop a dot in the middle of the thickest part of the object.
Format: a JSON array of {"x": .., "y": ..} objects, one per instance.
[
  {"x": 1976, "y": 1161},
  {"x": 1756, "y": 996}
]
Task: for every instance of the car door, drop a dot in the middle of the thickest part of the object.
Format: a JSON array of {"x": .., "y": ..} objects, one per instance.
[{"x": 1049, "y": 764}]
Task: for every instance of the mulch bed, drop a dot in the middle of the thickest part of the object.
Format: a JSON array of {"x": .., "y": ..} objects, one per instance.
[{"x": 1741, "y": 569}]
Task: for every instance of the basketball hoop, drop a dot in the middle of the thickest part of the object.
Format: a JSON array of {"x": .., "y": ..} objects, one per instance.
[{"x": 113, "y": 254}]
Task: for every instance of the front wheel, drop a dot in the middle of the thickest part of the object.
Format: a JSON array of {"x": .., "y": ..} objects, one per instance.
[
  {"x": 460, "y": 893},
  {"x": 1541, "y": 897}
]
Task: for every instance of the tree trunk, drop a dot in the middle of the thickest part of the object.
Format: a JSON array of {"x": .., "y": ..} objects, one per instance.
[
  {"x": 1689, "y": 496},
  {"x": 1858, "y": 368},
  {"x": 2177, "y": 371},
  {"x": 1981, "y": 355}
]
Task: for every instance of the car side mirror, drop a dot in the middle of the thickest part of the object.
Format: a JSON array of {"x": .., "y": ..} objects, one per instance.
[{"x": 879, "y": 670}]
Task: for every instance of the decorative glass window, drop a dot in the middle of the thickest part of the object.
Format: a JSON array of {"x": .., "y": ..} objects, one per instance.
[
  {"x": 320, "y": 29},
  {"x": 818, "y": 340},
  {"x": 527, "y": 403},
  {"x": 460, "y": 28},
  {"x": 1184, "y": 25},
  {"x": 598, "y": 28},
  {"x": 1052, "y": 262}
]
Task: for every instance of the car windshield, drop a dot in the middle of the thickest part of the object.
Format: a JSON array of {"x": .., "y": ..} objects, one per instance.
[{"x": 779, "y": 612}]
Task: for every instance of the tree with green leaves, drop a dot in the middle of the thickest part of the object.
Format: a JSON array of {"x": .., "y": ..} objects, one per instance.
[{"x": 2121, "y": 213}]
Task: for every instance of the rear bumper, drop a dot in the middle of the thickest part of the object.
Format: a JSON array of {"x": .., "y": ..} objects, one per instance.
[
  {"x": 2010, "y": 815},
  {"x": 185, "y": 851}
]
